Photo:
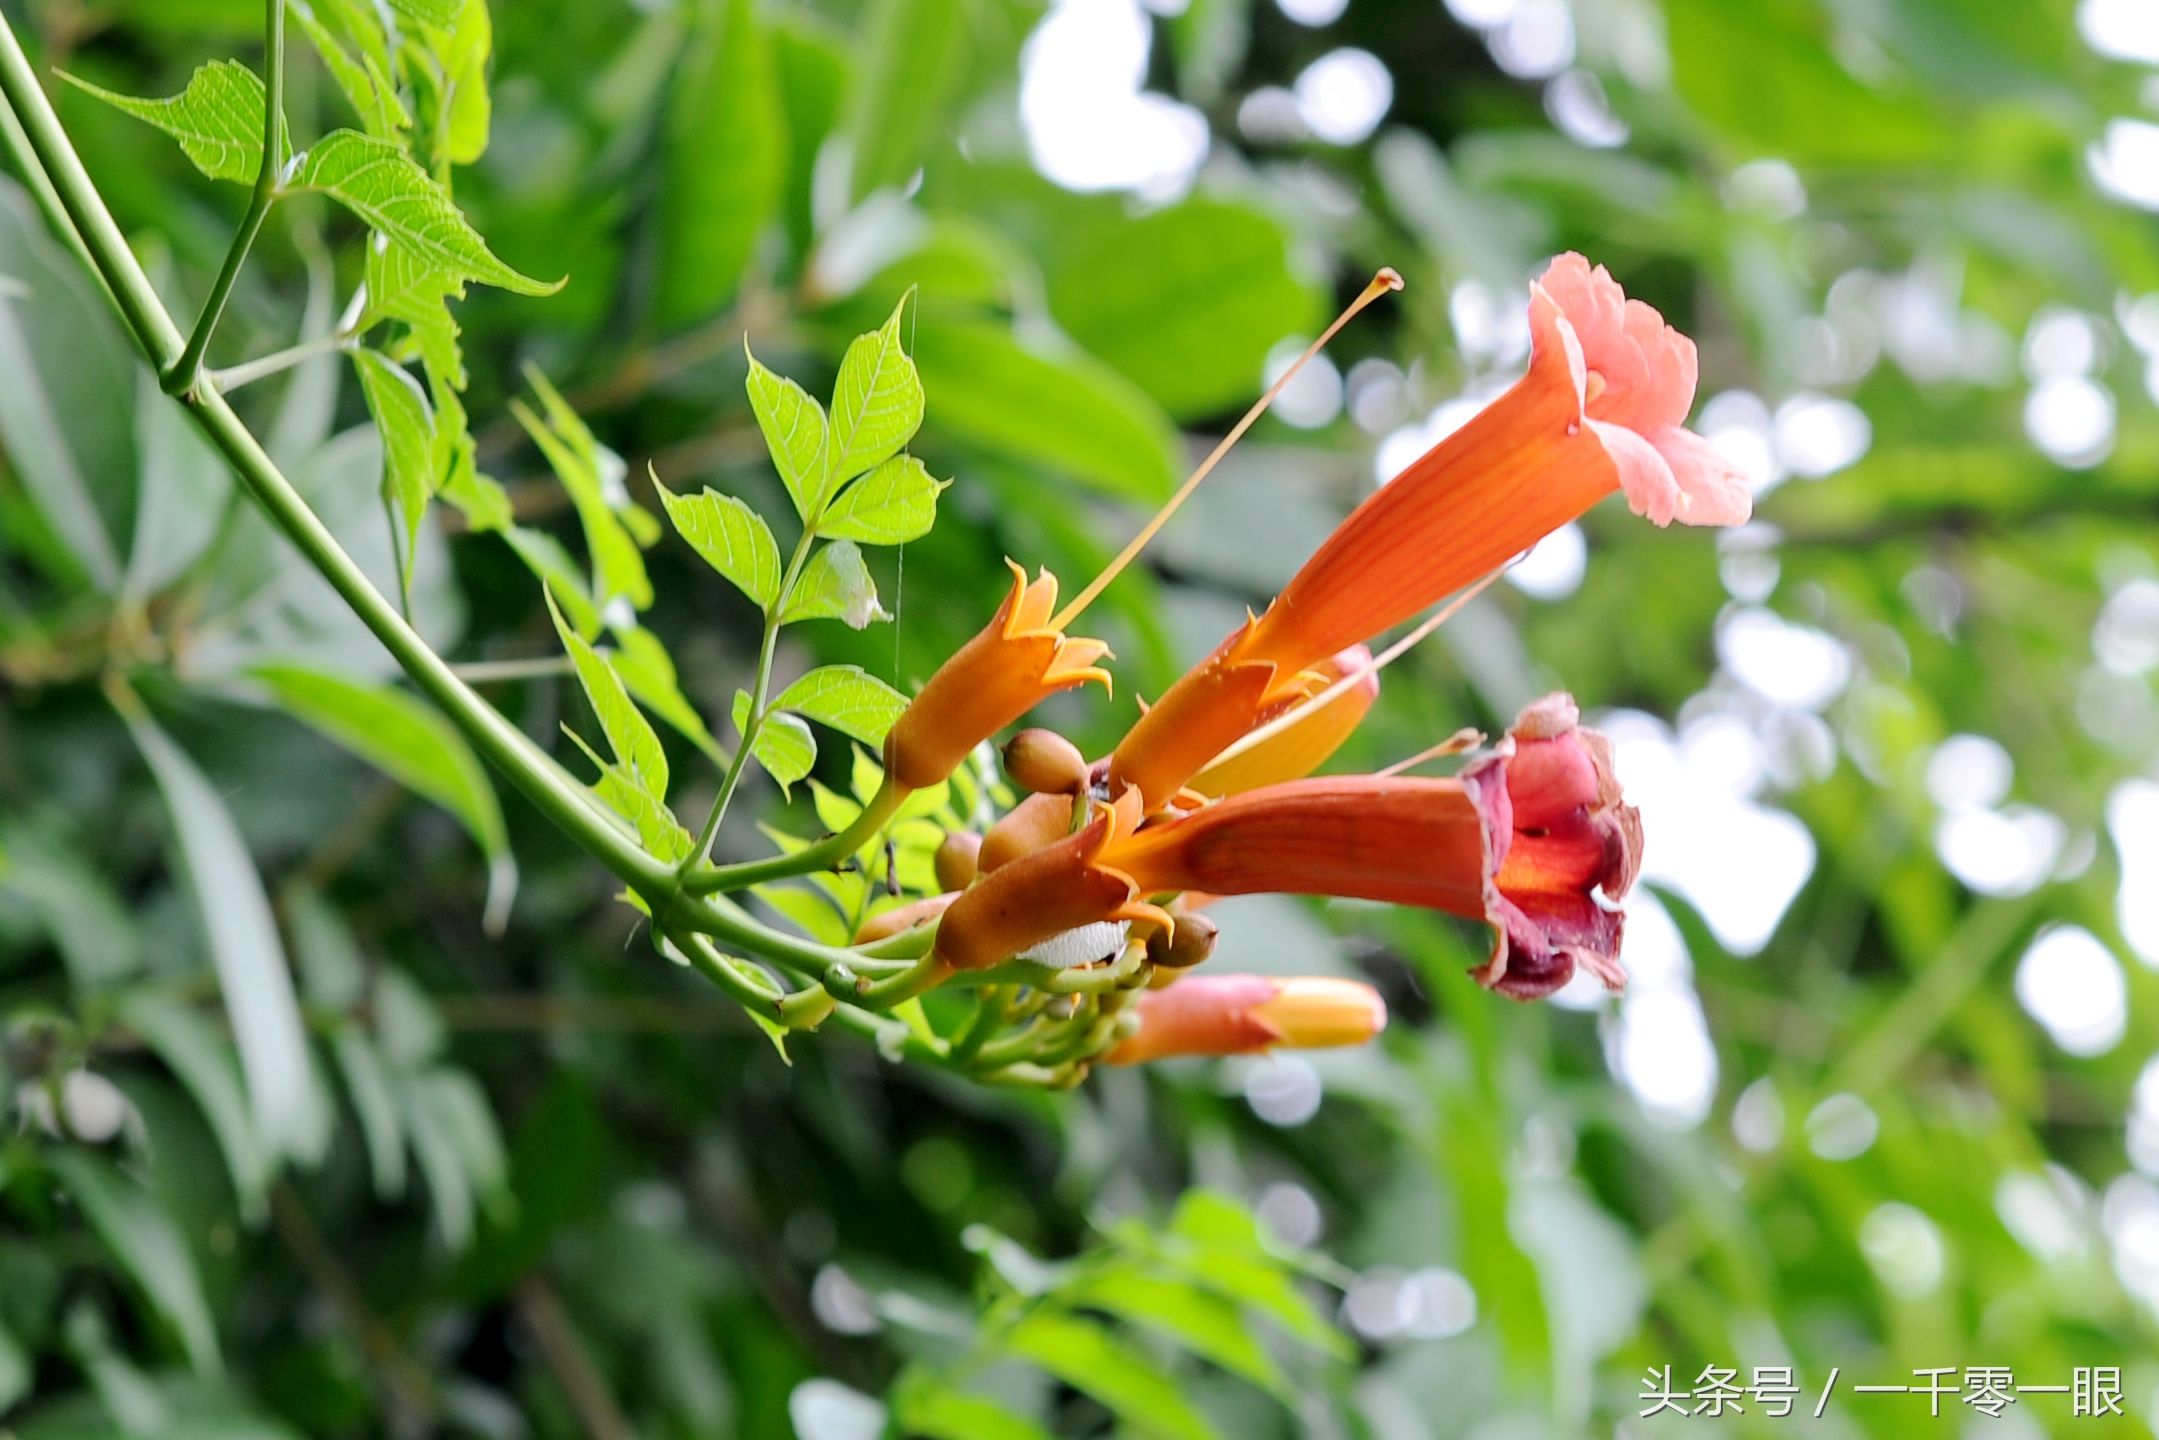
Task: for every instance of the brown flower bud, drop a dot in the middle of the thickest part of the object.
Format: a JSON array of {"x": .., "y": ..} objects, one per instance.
[
  {"x": 1045, "y": 763},
  {"x": 1191, "y": 942},
  {"x": 956, "y": 859}
]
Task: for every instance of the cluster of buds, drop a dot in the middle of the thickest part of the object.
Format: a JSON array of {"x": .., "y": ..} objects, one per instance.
[{"x": 1109, "y": 864}]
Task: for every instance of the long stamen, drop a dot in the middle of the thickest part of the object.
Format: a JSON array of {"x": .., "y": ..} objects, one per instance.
[
  {"x": 1465, "y": 739},
  {"x": 1385, "y": 281},
  {"x": 1356, "y": 677}
]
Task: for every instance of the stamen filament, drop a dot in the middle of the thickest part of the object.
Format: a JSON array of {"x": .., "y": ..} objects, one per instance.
[
  {"x": 1467, "y": 738},
  {"x": 1386, "y": 280}
]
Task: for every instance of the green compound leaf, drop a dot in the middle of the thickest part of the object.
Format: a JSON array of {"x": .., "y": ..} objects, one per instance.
[
  {"x": 1095, "y": 1362},
  {"x": 367, "y": 88},
  {"x": 726, "y": 161},
  {"x": 891, "y": 505},
  {"x": 795, "y": 432},
  {"x": 876, "y": 403},
  {"x": 202, "y": 1060},
  {"x": 380, "y": 183},
  {"x": 784, "y": 745},
  {"x": 253, "y": 974},
  {"x": 401, "y": 413},
  {"x": 217, "y": 119},
  {"x": 836, "y": 585},
  {"x": 731, "y": 537},
  {"x": 430, "y": 12},
  {"x": 629, "y": 734},
  {"x": 593, "y": 476},
  {"x": 848, "y": 698},
  {"x": 149, "y": 1247},
  {"x": 409, "y": 741}
]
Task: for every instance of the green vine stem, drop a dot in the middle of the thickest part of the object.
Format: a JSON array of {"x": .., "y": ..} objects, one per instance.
[
  {"x": 78, "y": 214},
  {"x": 183, "y": 375},
  {"x": 823, "y": 855}
]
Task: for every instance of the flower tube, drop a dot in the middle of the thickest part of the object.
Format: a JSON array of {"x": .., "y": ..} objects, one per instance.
[{"x": 1600, "y": 410}]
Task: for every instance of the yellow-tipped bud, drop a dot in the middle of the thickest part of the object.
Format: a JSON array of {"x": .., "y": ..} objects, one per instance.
[
  {"x": 1249, "y": 1014},
  {"x": 1316, "y": 1012}
]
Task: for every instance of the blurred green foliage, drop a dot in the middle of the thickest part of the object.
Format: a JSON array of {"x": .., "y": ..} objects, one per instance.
[{"x": 531, "y": 1183}]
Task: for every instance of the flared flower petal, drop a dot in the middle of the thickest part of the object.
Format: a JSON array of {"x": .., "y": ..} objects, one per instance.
[
  {"x": 1247, "y": 1014},
  {"x": 1532, "y": 838},
  {"x": 1014, "y": 663}
]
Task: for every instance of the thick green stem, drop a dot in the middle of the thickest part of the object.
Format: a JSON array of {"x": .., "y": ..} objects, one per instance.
[
  {"x": 57, "y": 175},
  {"x": 503, "y": 744},
  {"x": 182, "y": 375}
]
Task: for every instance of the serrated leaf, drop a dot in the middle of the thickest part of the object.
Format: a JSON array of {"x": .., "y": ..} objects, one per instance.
[
  {"x": 380, "y": 183},
  {"x": 784, "y": 745},
  {"x": 726, "y": 162},
  {"x": 931, "y": 1408},
  {"x": 366, "y": 87},
  {"x": 876, "y": 403},
  {"x": 590, "y": 475},
  {"x": 430, "y": 12},
  {"x": 795, "y": 433},
  {"x": 147, "y": 1245},
  {"x": 218, "y": 119},
  {"x": 404, "y": 287},
  {"x": 1095, "y": 1362},
  {"x": 629, "y": 734},
  {"x": 848, "y": 698},
  {"x": 649, "y": 671},
  {"x": 1068, "y": 411},
  {"x": 891, "y": 505},
  {"x": 414, "y": 745},
  {"x": 452, "y": 91},
  {"x": 252, "y": 971},
  {"x": 836, "y": 585},
  {"x": 730, "y": 537},
  {"x": 401, "y": 413},
  {"x": 910, "y": 54},
  {"x": 1205, "y": 1324}
]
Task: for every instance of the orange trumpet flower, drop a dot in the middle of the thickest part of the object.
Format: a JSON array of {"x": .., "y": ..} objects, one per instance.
[
  {"x": 1018, "y": 660},
  {"x": 1533, "y": 839},
  {"x": 1600, "y": 410},
  {"x": 1241, "y": 1014}
]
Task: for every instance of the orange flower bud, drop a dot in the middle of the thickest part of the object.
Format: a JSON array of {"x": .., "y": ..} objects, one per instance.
[
  {"x": 1037, "y": 821},
  {"x": 1244, "y": 1014},
  {"x": 1043, "y": 762},
  {"x": 1042, "y": 894},
  {"x": 1014, "y": 663},
  {"x": 957, "y": 859},
  {"x": 888, "y": 923}
]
